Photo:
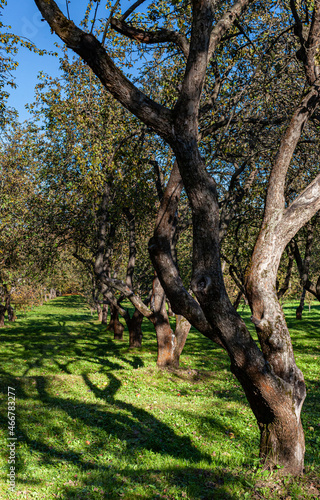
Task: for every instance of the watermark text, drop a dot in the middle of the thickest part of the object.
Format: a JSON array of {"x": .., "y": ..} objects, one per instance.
[{"x": 11, "y": 476}]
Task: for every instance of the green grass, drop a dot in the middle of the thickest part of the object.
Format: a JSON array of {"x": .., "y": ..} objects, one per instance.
[{"x": 96, "y": 420}]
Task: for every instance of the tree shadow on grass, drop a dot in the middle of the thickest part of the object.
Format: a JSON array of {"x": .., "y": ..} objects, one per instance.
[
  {"x": 54, "y": 346},
  {"x": 136, "y": 426},
  {"x": 140, "y": 431},
  {"x": 148, "y": 484}
]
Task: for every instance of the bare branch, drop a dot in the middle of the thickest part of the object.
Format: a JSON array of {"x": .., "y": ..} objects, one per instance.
[
  {"x": 127, "y": 292},
  {"x": 131, "y": 9},
  {"x": 150, "y": 37}
]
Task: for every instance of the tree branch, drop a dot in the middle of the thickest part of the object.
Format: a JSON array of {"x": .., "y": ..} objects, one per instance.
[
  {"x": 150, "y": 37},
  {"x": 275, "y": 196},
  {"x": 308, "y": 52},
  {"x": 225, "y": 23},
  {"x": 186, "y": 109},
  {"x": 305, "y": 206},
  {"x": 127, "y": 292},
  {"x": 131, "y": 9}
]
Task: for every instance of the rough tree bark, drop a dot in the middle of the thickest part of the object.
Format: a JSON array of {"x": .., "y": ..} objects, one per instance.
[
  {"x": 273, "y": 384},
  {"x": 135, "y": 329},
  {"x": 282, "y": 436},
  {"x": 105, "y": 308},
  {"x": 2, "y": 315},
  {"x": 170, "y": 343},
  {"x": 164, "y": 333},
  {"x": 104, "y": 318}
]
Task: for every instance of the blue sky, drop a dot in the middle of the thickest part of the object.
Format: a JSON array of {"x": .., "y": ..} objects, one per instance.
[{"x": 25, "y": 20}]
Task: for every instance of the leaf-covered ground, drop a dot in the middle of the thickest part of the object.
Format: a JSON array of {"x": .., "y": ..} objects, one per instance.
[{"x": 96, "y": 420}]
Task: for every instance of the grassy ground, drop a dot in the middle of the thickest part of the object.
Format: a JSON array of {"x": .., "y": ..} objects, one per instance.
[{"x": 96, "y": 420}]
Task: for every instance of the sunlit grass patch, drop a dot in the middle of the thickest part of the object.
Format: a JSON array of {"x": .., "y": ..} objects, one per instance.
[{"x": 97, "y": 420}]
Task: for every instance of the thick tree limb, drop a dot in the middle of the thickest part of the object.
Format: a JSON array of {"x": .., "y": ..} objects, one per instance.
[
  {"x": 151, "y": 37},
  {"x": 302, "y": 209},
  {"x": 186, "y": 109}
]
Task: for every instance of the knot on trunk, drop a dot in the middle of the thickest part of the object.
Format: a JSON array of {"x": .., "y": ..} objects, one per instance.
[
  {"x": 201, "y": 284},
  {"x": 260, "y": 323}
]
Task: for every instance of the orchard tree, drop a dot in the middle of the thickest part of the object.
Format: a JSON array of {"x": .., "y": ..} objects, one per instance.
[
  {"x": 272, "y": 382},
  {"x": 308, "y": 269},
  {"x": 23, "y": 248}
]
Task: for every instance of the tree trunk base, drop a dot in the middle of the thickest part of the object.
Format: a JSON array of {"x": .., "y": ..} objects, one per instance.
[
  {"x": 135, "y": 330},
  {"x": 282, "y": 446},
  {"x": 118, "y": 329},
  {"x": 168, "y": 363}
]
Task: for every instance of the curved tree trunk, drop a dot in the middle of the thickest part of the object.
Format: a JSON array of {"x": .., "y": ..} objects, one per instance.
[
  {"x": 114, "y": 324},
  {"x": 166, "y": 339},
  {"x": 282, "y": 439},
  {"x": 135, "y": 331},
  {"x": 170, "y": 344},
  {"x": 181, "y": 332},
  {"x": 104, "y": 315}
]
